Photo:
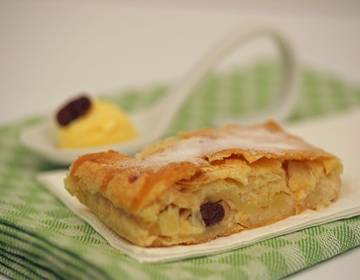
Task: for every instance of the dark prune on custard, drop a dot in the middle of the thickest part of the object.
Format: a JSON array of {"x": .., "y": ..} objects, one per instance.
[{"x": 73, "y": 110}]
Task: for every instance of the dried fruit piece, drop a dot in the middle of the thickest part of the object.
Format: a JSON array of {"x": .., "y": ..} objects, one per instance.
[
  {"x": 212, "y": 213},
  {"x": 133, "y": 177},
  {"x": 73, "y": 110}
]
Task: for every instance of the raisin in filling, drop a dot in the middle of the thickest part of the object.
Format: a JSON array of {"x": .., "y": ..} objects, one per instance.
[
  {"x": 133, "y": 177},
  {"x": 212, "y": 213},
  {"x": 73, "y": 110}
]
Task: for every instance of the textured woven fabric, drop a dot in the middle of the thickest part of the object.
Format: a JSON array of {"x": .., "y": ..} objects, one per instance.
[{"x": 41, "y": 238}]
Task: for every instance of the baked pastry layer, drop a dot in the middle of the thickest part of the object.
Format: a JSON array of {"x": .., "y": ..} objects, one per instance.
[{"x": 205, "y": 184}]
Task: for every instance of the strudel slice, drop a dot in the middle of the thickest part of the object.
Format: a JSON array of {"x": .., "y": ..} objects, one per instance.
[{"x": 203, "y": 184}]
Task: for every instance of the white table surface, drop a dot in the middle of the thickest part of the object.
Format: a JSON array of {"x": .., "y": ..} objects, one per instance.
[{"x": 50, "y": 50}]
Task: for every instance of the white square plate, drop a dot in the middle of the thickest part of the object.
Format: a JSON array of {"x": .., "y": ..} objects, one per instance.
[{"x": 339, "y": 135}]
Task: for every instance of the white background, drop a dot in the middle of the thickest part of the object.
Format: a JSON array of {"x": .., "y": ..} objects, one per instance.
[{"x": 50, "y": 50}]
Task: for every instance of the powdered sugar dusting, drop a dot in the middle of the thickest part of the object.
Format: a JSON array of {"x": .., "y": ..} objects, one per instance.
[{"x": 254, "y": 140}]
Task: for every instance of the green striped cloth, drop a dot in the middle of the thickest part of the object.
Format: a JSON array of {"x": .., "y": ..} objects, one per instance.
[{"x": 41, "y": 238}]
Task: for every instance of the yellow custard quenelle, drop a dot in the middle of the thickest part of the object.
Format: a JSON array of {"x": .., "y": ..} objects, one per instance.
[{"x": 87, "y": 123}]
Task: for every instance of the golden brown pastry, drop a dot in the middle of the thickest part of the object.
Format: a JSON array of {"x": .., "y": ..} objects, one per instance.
[{"x": 204, "y": 184}]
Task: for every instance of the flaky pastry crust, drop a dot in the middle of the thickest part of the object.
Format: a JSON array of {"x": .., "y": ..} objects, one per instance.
[{"x": 257, "y": 174}]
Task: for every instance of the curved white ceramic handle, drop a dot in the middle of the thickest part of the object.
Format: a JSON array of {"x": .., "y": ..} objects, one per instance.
[{"x": 280, "y": 107}]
